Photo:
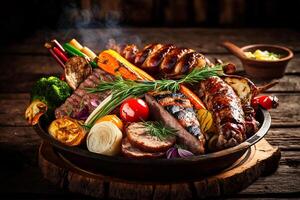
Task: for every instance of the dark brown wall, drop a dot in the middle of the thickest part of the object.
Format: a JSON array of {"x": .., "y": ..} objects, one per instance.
[{"x": 19, "y": 18}]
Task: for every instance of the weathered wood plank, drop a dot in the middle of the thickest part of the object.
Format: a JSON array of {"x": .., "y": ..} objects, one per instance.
[
  {"x": 285, "y": 180},
  {"x": 13, "y": 107},
  {"x": 205, "y": 40}
]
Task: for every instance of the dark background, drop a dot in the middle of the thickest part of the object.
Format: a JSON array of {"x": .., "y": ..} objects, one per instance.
[{"x": 20, "y": 19}]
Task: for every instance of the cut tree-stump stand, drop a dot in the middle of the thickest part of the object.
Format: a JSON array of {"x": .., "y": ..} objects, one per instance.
[{"x": 261, "y": 159}]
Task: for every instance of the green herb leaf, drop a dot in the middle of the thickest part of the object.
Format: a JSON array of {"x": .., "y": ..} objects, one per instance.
[{"x": 159, "y": 130}]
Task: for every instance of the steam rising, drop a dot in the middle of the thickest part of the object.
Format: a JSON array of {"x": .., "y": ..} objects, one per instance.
[{"x": 95, "y": 31}]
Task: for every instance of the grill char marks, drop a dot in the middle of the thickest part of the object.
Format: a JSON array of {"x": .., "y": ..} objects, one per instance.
[
  {"x": 80, "y": 100},
  {"x": 227, "y": 112},
  {"x": 184, "y": 138},
  {"x": 171, "y": 61},
  {"x": 181, "y": 108}
]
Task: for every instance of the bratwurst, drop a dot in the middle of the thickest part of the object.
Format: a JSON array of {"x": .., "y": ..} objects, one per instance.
[{"x": 227, "y": 111}]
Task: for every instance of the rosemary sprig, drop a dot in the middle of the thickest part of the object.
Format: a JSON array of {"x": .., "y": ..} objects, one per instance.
[
  {"x": 123, "y": 89},
  {"x": 159, "y": 130}
]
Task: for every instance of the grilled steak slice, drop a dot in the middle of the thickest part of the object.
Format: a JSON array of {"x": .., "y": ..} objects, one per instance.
[
  {"x": 130, "y": 151},
  {"x": 81, "y": 103},
  {"x": 181, "y": 108},
  {"x": 227, "y": 112},
  {"x": 139, "y": 136},
  {"x": 193, "y": 144}
]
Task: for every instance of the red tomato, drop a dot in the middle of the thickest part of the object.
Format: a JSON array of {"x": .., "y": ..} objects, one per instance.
[
  {"x": 134, "y": 110},
  {"x": 266, "y": 102}
]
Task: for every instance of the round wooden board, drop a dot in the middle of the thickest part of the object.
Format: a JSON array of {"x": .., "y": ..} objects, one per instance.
[{"x": 261, "y": 159}]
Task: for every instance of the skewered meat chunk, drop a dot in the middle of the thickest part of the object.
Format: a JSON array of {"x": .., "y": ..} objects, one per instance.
[
  {"x": 227, "y": 112},
  {"x": 81, "y": 102},
  {"x": 179, "y": 116},
  {"x": 171, "y": 61}
]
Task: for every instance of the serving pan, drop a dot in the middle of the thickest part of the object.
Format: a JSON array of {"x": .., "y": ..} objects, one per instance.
[{"x": 177, "y": 169}]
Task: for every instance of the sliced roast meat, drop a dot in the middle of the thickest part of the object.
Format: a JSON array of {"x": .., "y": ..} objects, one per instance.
[
  {"x": 186, "y": 139},
  {"x": 129, "y": 150},
  {"x": 82, "y": 102},
  {"x": 139, "y": 136}
]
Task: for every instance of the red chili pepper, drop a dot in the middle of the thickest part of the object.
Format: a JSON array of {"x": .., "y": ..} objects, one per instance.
[
  {"x": 60, "y": 54},
  {"x": 266, "y": 102},
  {"x": 57, "y": 58}
]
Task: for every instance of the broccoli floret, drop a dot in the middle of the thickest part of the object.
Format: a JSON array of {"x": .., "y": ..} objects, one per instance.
[{"x": 52, "y": 91}]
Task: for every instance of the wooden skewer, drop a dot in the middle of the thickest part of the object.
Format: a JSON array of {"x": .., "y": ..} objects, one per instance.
[{"x": 263, "y": 88}]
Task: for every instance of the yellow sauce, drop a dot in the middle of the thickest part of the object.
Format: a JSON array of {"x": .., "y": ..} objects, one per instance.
[{"x": 262, "y": 55}]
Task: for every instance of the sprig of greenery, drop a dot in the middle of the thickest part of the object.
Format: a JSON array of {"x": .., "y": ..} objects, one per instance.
[
  {"x": 158, "y": 129},
  {"x": 123, "y": 89}
]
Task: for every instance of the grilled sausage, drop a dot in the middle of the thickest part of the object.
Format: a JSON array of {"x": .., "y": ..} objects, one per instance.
[
  {"x": 227, "y": 112},
  {"x": 192, "y": 143},
  {"x": 171, "y": 61}
]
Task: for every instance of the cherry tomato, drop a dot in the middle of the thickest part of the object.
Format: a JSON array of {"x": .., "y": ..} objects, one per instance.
[
  {"x": 134, "y": 110},
  {"x": 266, "y": 102}
]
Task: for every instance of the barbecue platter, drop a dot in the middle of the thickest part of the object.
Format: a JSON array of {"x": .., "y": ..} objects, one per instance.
[{"x": 164, "y": 106}]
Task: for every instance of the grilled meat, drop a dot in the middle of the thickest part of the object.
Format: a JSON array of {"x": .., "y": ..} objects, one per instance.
[
  {"x": 227, "y": 112},
  {"x": 77, "y": 69},
  {"x": 81, "y": 103},
  {"x": 171, "y": 61},
  {"x": 130, "y": 151},
  {"x": 139, "y": 137},
  {"x": 181, "y": 108},
  {"x": 181, "y": 117}
]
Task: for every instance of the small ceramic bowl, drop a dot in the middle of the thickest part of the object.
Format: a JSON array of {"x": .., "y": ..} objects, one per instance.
[{"x": 261, "y": 69}]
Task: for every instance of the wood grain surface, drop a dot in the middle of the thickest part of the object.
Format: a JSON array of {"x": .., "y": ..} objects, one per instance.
[{"x": 25, "y": 61}]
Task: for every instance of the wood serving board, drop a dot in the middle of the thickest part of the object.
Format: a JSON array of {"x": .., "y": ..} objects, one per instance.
[{"x": 260, "y": 160}]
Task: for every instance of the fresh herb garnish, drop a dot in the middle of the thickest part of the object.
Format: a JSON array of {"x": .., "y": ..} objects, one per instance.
[
  {"x": 123, "y": 89},
  {"x": 159, "y": 130}
]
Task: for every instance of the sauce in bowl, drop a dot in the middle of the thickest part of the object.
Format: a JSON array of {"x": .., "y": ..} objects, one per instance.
[{"x": 262, "y": 55}]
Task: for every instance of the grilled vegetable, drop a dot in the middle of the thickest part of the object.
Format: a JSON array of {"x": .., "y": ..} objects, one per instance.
[
  {"x": 246, "y": 89},
  {"x": 51, "y": 91},
  {"x": 67, "y": 131},
  {"x": 267, "y": 102},
  {"x": 111, "y": 118},
  {"x": 104, "y": 138},
  {"x": 34, "y": 111},
  {"x": 134, "y": 110},
  {"x": 77, "y": 69}
]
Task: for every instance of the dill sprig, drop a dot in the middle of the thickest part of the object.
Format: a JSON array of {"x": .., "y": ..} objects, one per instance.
[
  {"x": 122, "y": 89},
  {"x": 159, "y": 130}
]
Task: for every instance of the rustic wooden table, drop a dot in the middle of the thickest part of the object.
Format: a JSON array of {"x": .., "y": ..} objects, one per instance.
[{"x": 25, "y": 61}]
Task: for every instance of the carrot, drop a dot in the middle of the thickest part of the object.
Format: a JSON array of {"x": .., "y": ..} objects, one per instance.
[
  {"x": 195, "y": 100},
  {"x": 112, "y": 65}
]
